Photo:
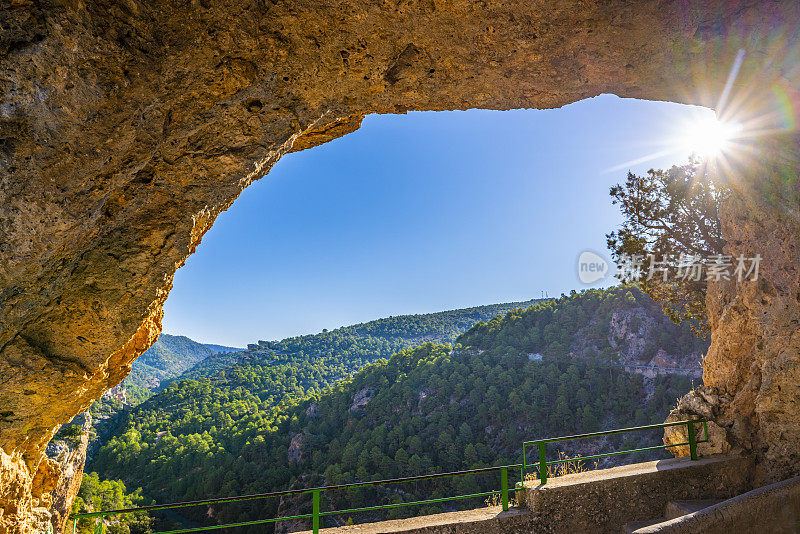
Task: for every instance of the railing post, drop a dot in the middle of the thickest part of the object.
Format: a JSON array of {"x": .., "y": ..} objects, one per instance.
[
  {"x": 99, "y": 527},
  {"x": 504, "y": 487},
  {"x": 315, "y": 512},
  {"x": 692, "y": 440},
  {"x": 542, "y": 464},
  {"x": 522, "y": 469},
  {"x": 74, "y": 524}
]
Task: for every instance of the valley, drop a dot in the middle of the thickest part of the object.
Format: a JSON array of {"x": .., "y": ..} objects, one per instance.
[{"x": 367, "y": 402}]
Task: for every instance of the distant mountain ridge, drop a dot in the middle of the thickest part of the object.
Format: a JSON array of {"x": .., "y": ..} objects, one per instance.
[
  {"x": 360, "y": 343},
  {"x": 437, "y": 327},
  {"x": 221, "y": 348},
  {"x": 169, "y": 357}
]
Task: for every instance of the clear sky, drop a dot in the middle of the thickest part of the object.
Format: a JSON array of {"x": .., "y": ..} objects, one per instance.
[{"x": 418, "y": 213}]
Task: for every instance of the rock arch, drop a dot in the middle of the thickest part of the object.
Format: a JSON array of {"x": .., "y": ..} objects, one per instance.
[{"x": 127, "y": 126}]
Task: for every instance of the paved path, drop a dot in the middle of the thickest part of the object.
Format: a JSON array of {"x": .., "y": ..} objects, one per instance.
[{"x": 412, "y": 523}]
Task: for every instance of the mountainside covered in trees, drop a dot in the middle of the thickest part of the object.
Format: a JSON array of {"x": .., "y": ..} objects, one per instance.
[
  {"x": 277, "y": 420},
  {"x": 169, "y": 357},
  {"x": 287, "y": 369},
  {"x": 354, "y": 346}
]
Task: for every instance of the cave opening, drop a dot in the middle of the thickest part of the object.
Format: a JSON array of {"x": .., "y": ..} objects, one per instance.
[
  {"x": 120, "y": 153},
  {"x": 411, "y": 214},
  {"x": 423, "y": 212}
]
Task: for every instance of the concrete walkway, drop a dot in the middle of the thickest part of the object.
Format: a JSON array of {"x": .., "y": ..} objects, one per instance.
[
  {"x": 481, "y": 520},
  {"x": 605, "y": 500},
  {"x": 773, "y": 509},
  {"x": 598, "y": 501}
]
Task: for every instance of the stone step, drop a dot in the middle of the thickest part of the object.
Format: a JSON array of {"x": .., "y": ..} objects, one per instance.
[
  {"x": 677, "y": 509},
  {"x": 633, "y": 526},
  {"x": 674, "y": 509}
]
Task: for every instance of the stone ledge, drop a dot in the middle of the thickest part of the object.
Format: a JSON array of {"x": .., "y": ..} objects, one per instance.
[
  {"x": 482, "y": 520},
  {"x": 595, "y": 501},
  {"x": 606, "y": 499},
  {"x": 774, "y": 509}
]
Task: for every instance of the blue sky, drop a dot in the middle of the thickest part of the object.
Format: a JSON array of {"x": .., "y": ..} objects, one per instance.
[{"x": 418, "y": 213}]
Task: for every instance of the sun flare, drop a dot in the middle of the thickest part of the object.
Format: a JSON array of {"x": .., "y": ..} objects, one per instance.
[{"x": 709, "y": 137}]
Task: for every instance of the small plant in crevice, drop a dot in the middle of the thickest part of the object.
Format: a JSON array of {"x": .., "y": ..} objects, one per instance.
[{"x": 571, "y": 467}]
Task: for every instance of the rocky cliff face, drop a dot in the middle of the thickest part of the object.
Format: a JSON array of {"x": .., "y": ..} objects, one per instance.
[
  {"x": 752, "y": 369},
  {"x": 57, "y": 480},
  {"x": 631, "y": 331},
  {"x": 118, "y": 393},
  {"x": 127, "y": 127},
  {"x": 70, "y": 456}
]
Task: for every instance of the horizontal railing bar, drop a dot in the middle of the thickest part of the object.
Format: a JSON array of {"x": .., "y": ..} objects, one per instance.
[
  {"x": 293, "y": 492},
  {"x": 414, "y": 503},
  {"x": 604, "y": 455},
  {"x": 334, "y": 512},
  {"x": 610, "y": 432},
  {"x": 233, "y": 525},
  {"x": 629, "y": 451}
]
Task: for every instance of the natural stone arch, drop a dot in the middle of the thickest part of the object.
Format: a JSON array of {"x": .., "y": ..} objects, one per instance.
[{"x": 127, "y": 127}]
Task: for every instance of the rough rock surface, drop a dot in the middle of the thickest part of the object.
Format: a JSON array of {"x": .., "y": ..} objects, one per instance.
[
  {"x": 70, "y": 456},
  {"x": 118, "y": 392},
  {"x": 702, "y": 402},
  {"x": 361, "y": 399},
  {"x": 127, "y": 127},
  {"x": 754, "y": 359},
  {"x": 295, "y": 451},
  {"x": 752, "y": 368},
  {"x": 629, "y": 333}
]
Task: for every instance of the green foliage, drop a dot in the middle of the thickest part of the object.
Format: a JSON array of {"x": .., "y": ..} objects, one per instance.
[
  {"x": 432, "y": 408},
  {"x": 579, "y": 324},
  {"x": 96, "y": 494},
  {"x": 168, "y": 358},
  {"x": 361, "y": 343},
  {"x": 70, "y": 431},
  {"x": 669, "y": 213},
  {"x": 137, "y": 394}
]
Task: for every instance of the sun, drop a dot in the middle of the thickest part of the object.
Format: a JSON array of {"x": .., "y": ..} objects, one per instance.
[{"x": 709, "y": 137}]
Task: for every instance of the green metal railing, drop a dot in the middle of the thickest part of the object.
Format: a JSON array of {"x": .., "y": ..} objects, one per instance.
[
  {"x": 317, "y": 513},
  {"x": 540, "y": 444},
  {"x": 316, "y": 493}
]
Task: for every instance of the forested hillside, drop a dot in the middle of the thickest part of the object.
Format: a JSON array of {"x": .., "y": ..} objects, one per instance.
[
  {"x": 620, "y": 325},
  {"x": 169, "y": 357},
  {"x": 278, "y": 421},
  {"x": 349, "y": 348},
  {"x": 280, "y": 372}
]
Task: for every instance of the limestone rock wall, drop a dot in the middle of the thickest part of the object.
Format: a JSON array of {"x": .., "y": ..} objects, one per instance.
[
  {"x": 754, "y": 359},
  {"x": 70, "y": 457},
  {"x": 127, "y": 126},
  {"x": 752, "y": 370}
]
